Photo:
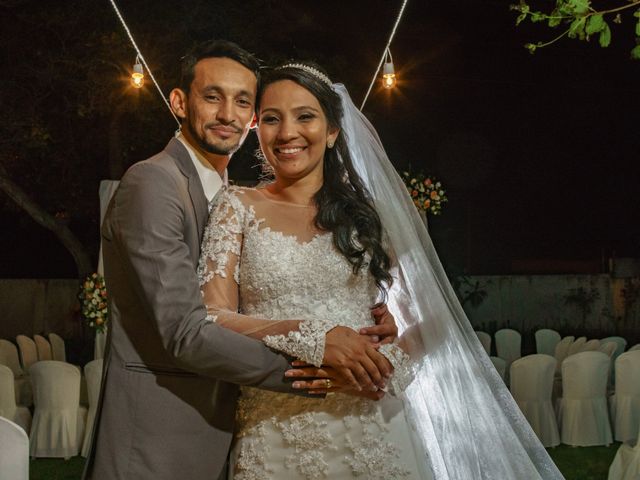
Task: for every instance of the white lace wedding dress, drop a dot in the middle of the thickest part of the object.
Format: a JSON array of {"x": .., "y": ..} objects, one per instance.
[{"x": 264, "y": 260}]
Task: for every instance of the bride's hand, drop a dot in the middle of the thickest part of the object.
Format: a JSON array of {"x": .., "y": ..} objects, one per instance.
[
  {"x": 356, "y": 360},
  {"x": 320, "y": 381},
  {"x": 385, "y": 330}
]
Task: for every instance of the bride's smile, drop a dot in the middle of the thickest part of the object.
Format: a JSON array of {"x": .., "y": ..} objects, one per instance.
[{"x": 293, "y": 131}]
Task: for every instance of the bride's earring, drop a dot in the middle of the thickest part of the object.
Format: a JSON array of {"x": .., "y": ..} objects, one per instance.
[{"x": 329, "y": 144}]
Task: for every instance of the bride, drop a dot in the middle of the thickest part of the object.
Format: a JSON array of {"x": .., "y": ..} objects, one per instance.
[{"x": 333, "y": 235}]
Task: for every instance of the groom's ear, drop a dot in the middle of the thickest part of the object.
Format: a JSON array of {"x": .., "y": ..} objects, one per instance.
[{"x": 178, "y": 102}]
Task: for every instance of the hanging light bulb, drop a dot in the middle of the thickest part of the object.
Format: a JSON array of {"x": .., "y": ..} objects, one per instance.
[
  {"x": 137, "y": 77},
  {"x": 389, "y": 79}
]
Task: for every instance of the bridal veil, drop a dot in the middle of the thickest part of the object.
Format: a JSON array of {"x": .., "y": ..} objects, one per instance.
[{"x": 464, "y": 418}]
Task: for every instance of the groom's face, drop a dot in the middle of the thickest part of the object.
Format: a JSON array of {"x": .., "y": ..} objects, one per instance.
[{"x": 219, "y": 107}]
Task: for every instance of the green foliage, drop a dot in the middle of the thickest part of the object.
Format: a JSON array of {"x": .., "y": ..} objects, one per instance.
[{"x": 581, "y": 20}]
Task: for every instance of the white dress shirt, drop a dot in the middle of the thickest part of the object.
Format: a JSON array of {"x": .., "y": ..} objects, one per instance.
[{"x": 209, "y": 176}]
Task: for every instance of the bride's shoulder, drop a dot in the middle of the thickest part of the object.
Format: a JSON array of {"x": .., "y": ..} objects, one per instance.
[{"x": 246, "y": 195}]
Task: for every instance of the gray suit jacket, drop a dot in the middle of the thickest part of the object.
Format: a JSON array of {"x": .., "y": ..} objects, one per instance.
[{"x": 169, "y": 390}]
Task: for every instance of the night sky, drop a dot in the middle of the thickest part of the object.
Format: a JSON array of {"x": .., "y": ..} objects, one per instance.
[{"x": 539, "y": 153}]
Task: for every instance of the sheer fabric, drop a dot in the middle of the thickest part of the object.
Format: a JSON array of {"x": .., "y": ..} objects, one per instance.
[
  {"x": 465, "y": 418},
  {"x": 262, "y": 260}
]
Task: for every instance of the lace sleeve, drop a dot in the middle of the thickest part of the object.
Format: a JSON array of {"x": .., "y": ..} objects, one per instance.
[{"x": 219, "y": 276}]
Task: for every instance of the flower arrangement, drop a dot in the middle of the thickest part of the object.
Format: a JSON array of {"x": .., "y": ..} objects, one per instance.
[
  {"x": 426, "y": 192},
  {"x": 93, "y": 300}
]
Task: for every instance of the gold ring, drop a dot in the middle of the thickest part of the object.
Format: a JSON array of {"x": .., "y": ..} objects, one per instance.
[{"x": 327, "y": 383}]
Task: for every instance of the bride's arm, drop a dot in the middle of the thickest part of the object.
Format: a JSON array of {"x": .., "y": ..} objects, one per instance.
[{"x": 318, "y": 341}]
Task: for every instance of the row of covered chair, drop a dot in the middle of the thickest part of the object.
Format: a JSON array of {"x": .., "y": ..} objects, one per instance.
[
  {"x": 509, "y": 345},
  {"x": 57, "y": 428},
  {"x": 583, "y": 412}
]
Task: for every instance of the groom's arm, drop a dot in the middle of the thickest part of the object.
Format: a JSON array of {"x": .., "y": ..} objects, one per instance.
[{"x": 147, "y": 228}]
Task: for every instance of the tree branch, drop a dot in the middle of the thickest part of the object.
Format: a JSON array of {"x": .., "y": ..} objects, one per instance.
[{"x": 45, "y": 219}]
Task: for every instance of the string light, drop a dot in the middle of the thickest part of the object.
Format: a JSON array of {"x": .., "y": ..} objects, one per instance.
[
  {"x": 137, "y": 77},
  {"x": 142, "y": 60},
  {"x": 384, "y": 54},
  {"x": 389, "y": 79}
]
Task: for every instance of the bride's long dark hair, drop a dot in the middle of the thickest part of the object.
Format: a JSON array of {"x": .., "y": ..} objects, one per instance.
[{"x": 343, "y": 203}]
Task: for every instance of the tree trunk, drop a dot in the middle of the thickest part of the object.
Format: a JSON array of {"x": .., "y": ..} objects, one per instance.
[{"x": 48, "y": 221}]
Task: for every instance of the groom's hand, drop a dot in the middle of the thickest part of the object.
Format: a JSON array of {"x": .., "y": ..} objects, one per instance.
[
  {"x": 324, "y": 381},
  {"x": 356, "y": 360},
  {"x": 385, "y": 330}
]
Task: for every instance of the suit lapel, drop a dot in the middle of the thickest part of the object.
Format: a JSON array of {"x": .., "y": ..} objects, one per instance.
[{"x": 177, "y": 150}]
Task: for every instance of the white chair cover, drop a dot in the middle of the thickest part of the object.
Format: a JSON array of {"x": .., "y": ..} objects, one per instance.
[
  {"x": 485, "y": 340},
  {"x": 8, "y": 408},
  {"x": 625, "y": 403},
  {"x": 562, "y": 350},
  {"x": 93, "y": 374},
  {"x": 626, "y": 464},
  {"x": 43, "y": 347},
  {"x": 508, "y": 344},
  {"x": 583, "y": 414},
  {"x": 531, "y": 387},
  {"x": 22, "y": 384},
  {"x": 58, "y": 420},
  {"x": 546, "y": 341},
  {"x": 576, "y": 347},
  {"x": 57, "y": 348},
  {"x": 608, "y": 348},
  {"x": 635, "y": 347},
  {"x": 591, "y": 346},
  {"x": 500, "y": 365},
  {"x": 28, "y": 351},
  {"x": 14, "y": 451},
  {"x": 621, "y": 342}
]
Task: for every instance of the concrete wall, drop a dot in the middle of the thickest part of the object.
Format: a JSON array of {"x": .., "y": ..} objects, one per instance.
[
  {"x": 39, "y": 306},
  {"x": 529, "y": 302}
]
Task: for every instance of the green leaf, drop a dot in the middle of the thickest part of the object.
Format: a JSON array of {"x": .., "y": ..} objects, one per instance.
[
  {"x": 577, "y": 28},
  {"x": 635, "y": 53},
  {"x": 554, "y": 21},
  {"x": 637, "y": 13},
  {"x": 595, "y": 24},
  {"x": 605, "y": 36},
  {"x": 537, "y": 17},
  {"x": 520, "y": 18},
  {"x": 531, "y": 47},
  {"x": 638, "y": 28},
  {"x": 579, "y": 6}
]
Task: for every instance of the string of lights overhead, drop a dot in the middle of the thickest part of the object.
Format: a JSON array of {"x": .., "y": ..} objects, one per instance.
[
  {"x": 389, "y": 78},
  {"x": 137, "y": 76}
]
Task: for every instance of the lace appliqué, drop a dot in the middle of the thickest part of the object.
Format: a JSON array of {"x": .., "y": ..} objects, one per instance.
[
  {"x": 309, "y": 438},
  {"x": 403, "y": 368},
  {"x": 231, "y": 219},
  {"x": 373, "y": 458},
  {"x": 306, "y": 343},
  {"x": 251, "y": 463}
]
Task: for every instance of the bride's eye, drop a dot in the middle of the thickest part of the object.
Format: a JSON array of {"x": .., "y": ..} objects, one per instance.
[
  {"x": 306, "y": 116},
  {"x": 269, "y": 119}
]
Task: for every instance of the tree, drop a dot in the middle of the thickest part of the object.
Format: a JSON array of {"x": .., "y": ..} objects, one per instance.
[{"x": 582, "y": 20}]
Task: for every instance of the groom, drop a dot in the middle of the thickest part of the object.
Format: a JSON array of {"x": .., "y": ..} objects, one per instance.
[{"x": 169, "y": 389}]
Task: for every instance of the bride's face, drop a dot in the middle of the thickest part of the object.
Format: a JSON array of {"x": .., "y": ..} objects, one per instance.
[{"x": 293, "y": 130}]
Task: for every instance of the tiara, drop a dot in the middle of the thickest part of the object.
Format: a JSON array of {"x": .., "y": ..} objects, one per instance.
[{"x": 313, "y": 71}]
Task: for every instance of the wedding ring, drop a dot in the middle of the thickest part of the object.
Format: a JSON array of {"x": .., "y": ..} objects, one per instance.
[{"x": 327, "y": 383}]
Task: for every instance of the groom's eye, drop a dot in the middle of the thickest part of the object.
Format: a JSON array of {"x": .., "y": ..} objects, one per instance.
[
  {"x": 212, "y": 98},
  {"x": 243, "y": 102}
]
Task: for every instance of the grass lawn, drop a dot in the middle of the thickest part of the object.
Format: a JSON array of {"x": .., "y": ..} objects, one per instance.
[{"x": 585, "y": 463}]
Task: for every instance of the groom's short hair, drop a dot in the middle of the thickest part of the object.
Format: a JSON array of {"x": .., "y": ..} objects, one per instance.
[{"x": 215, "y": 49}]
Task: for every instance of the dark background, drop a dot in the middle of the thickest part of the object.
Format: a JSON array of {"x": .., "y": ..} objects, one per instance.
[{"x": 538, "y": 153}]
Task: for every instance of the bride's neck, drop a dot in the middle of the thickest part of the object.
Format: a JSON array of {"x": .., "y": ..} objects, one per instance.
[{"x": 298, "y": 191}]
